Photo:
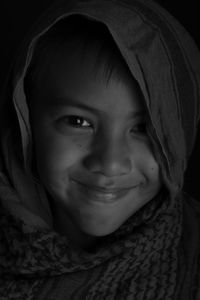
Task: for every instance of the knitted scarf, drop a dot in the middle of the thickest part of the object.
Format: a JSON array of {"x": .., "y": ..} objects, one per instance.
[{"x": 144, "y": 258}]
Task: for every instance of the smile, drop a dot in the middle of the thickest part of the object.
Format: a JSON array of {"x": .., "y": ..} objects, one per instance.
[{"x": 102, "y": 195}]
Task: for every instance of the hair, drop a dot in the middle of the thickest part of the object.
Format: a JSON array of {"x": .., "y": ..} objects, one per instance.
[{"x": 85, "y": 35}]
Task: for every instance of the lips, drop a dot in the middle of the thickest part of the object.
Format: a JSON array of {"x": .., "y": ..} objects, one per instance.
[{"x": 102, "y": 195}]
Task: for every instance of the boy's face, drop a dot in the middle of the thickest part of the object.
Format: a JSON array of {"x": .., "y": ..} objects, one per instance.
[{"x": 92, "y": 151}]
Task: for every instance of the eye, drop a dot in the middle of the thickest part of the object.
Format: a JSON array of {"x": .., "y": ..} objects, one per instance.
[
  {"x": 76, "y": 121},
  {"x": 140, "y": 128}
]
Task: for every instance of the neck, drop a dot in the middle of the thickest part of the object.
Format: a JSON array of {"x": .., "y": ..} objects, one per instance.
[{"x": 65, "y": 225}]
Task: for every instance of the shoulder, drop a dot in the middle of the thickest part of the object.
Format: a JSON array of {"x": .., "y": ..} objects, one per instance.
[
  {"x": 191, "y": 220},
  {"x": 191, "y": 207},
  {"x": 190, "y": 246}
]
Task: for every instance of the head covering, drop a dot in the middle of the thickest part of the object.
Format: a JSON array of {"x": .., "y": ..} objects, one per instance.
[{"x": 141, "y": 260}]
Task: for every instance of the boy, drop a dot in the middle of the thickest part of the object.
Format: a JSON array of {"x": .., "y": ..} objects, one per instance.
[
  {"x": 94, "y": 133},
  {"x": 105, "y": 130}
]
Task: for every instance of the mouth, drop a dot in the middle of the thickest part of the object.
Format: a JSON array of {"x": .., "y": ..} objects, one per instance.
[{"x": 103, "y": 195}]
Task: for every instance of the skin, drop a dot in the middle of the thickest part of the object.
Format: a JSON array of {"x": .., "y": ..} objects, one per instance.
[{"x": 104, "y": 145}]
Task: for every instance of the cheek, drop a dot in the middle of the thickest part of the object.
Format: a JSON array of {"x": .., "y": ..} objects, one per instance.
[
  {"x": 147, "y": 164},
  {"x": 55, "y": 155},
  {"x": 153, "y": 177},
  {"x": 153, "y": 173}
]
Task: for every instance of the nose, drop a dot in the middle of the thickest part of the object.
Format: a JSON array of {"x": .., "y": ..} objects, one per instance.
[{"x": 109, "y": 156}]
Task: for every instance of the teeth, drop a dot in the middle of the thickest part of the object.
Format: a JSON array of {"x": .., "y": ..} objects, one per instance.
[
  {"x": 109, "y": 196},
  {"x": 106, "y": 197},
  {"x": 105, "y": 194}
]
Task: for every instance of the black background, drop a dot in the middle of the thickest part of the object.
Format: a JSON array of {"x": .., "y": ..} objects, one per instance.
[{"x": 18, "y": 16}]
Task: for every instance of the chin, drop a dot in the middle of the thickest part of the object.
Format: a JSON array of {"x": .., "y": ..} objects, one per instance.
[{"x": 99, "y": 230}]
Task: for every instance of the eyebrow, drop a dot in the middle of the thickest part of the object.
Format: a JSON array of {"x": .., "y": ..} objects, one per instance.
[{"x": 77, "y": 104}]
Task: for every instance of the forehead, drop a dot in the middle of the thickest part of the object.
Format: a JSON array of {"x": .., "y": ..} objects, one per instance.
[
  {"x": 69, "y": 77},
  {"x": 86, "y": 75},
  {"x": 94, "y": 46}
]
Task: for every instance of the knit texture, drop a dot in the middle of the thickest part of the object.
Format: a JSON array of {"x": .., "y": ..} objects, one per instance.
[
  {"x": 138, "y": 261},
  {"x": 155, "y": 253}
]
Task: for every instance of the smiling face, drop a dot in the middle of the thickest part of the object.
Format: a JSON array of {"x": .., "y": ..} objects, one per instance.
[{"x": 92, "y": 151}]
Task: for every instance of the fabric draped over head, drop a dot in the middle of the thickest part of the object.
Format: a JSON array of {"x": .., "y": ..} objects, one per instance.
[
  {"x": 165, "y": 61},
  {"x": 161, "y": 56}
]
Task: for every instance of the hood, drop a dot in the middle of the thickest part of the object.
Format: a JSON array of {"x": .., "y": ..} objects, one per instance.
[
  {"x": 161, "y": 56},
  {"x": 145, "y": 257}
]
